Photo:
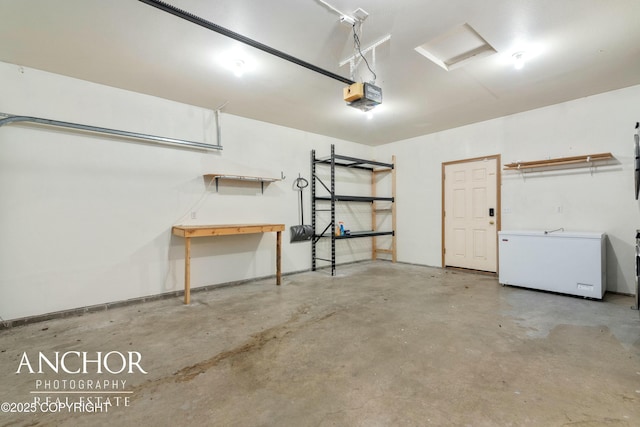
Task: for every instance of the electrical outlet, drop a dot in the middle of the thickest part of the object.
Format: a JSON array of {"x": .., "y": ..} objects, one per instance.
[{"x": 193, "y": 215}]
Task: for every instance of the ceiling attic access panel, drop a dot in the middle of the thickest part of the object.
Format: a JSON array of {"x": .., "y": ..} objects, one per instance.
[{"x": 456, "y": 47}]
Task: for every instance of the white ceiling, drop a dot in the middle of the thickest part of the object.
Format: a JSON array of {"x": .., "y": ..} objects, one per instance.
[{"x": 576, "y": 48}]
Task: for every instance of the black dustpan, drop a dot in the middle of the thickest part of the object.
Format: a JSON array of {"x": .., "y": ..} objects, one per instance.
[{"x": 301, "y": 233}]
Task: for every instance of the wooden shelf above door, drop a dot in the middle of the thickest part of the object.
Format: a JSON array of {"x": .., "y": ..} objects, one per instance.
[{"x": 578, "y": 161}]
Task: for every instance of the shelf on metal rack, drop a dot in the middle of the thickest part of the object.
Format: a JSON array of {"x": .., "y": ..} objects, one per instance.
[
  {"x": 356, "y": 234},
  {"x": 342, "y": 198},
  {"x": 353, "y": 162}
]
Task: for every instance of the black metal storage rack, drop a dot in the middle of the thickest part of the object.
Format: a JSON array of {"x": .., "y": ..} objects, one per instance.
[{"x": 334, "y": 161}]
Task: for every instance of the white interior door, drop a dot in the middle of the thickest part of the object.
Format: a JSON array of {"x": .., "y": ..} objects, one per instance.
[{"x": 471, "y": 214}]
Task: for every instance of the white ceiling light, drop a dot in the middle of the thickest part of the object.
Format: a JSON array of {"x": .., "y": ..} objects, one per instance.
[
  {"x": 236, "y": 61},
  {"x": 518, "y": 60},
  {"x": 238, "y": 67}
]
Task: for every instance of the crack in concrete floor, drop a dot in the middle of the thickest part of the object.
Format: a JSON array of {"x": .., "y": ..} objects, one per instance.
[{"x": 256, "y": 343}]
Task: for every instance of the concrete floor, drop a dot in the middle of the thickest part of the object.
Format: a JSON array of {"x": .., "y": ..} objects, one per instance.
[{"x": 380, "y": 344}]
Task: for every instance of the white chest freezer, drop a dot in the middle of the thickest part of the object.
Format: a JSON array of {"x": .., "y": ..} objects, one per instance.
[{"x": 565, "y": 262}]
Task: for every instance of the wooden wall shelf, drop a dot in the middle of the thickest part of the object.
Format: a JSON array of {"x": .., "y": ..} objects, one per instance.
[
  {"x": 587, "y": 159},
  {"x": 260, "y": 179}
]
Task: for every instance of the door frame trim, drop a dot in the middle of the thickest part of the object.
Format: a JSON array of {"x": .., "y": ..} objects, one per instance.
[{"x": 498, "y": 158}]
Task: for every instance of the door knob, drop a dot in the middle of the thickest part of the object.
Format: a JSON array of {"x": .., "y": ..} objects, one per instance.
[{"x": 491, "y": 222}]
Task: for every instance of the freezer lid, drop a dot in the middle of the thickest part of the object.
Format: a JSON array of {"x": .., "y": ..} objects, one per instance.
[{"x": 556, "y": 234}]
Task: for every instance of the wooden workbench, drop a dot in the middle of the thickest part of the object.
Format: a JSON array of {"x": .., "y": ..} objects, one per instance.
[{"x": 190, "y": 231}]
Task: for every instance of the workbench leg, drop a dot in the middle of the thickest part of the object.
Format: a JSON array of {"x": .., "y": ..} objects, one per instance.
[
  {"x": 279, "y": 258},
  {"x": 187, "y": 270}
]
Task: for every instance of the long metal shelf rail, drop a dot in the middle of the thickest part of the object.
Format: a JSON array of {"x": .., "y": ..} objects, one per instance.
[
  {"x": 335, "y": 160},
  {"x": 10, "y": 118}
]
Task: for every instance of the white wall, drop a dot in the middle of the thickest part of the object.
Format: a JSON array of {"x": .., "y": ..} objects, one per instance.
[
  {"x": 599, "y": 199},
  {"x": 86, "y": 219}
]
